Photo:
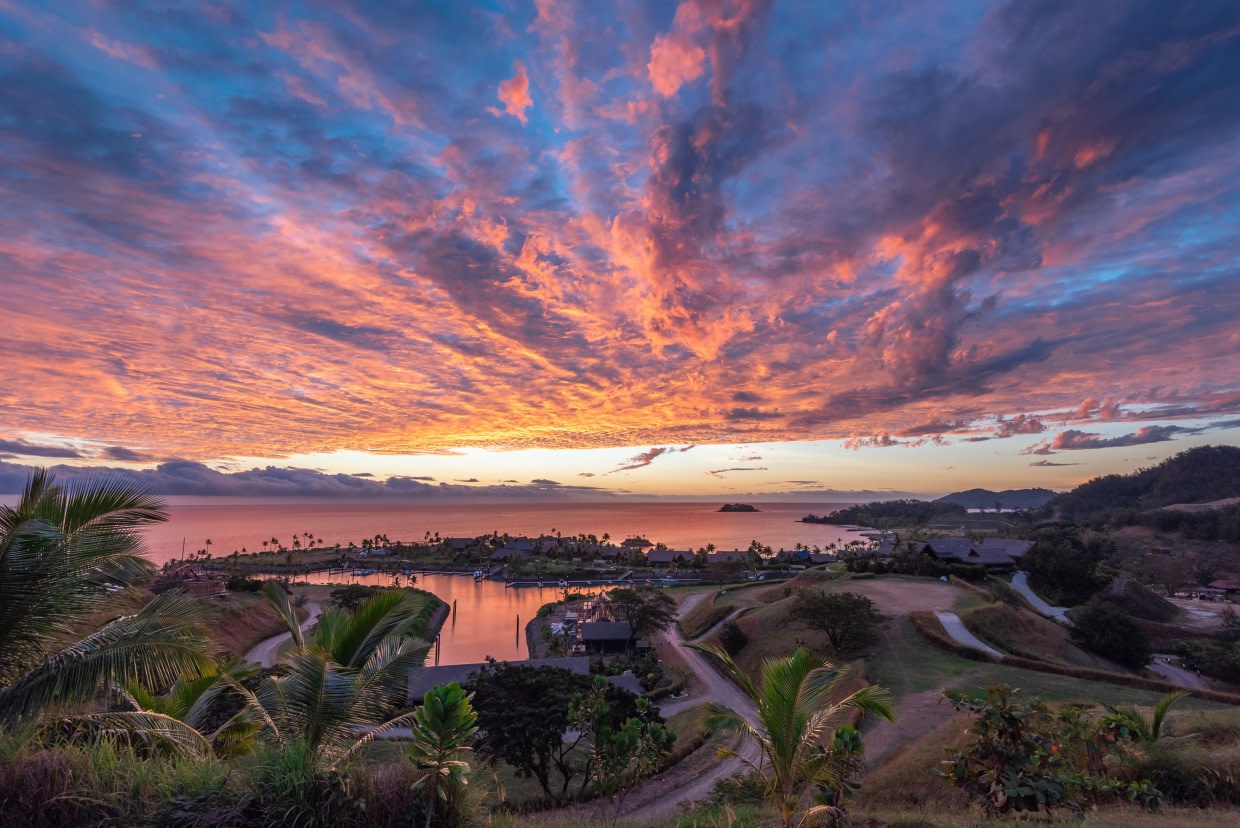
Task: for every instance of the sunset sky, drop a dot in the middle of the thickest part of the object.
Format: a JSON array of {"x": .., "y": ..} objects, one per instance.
[{"x": 697, "y": 248}]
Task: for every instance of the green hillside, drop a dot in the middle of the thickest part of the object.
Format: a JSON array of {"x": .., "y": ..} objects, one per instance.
[{"x": 1197, "y": 475}]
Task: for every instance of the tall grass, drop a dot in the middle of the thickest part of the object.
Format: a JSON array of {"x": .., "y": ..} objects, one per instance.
[{"x": 105, "y": 784}]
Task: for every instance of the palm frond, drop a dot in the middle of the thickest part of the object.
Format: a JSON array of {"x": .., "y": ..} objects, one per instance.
[
  {"x": 145, "y": 728},
  {"x": 60, "y": 551},
  {"x": 279, "y": 599},
  {"x": 386, "y": 614},
  {"x": 154, "y": 647}
]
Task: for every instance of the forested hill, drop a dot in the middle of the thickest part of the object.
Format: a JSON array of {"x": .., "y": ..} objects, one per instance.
[
  {"x": 1009, "y": 499},
  {"x": 1194, "y": 476}
]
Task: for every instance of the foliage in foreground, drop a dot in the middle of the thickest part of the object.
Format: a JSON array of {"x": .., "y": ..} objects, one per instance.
[
  {"x": 61, "y": 552},
  {"x": 803, "y": 757},
  {"x": 1026, "y": 757}
]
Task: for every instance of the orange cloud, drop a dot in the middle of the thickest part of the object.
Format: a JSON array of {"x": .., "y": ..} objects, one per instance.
[{"x": 514, "y": 93}]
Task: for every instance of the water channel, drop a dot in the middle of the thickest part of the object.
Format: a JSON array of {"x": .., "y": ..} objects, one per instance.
[{"x": 488, "y": 619}]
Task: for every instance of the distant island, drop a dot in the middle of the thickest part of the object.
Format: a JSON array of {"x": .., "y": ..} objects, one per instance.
[{"x": 738, "y": 507}]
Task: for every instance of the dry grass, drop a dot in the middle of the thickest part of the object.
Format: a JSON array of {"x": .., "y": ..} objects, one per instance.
[
  {"x": 242, "y": 621},
  {"x": 702, "y": 617},
  {"x": 1025, "y": 634}
]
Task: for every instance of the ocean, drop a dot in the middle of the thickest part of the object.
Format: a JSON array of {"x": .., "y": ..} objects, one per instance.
[{"x": 232, "y": 524}]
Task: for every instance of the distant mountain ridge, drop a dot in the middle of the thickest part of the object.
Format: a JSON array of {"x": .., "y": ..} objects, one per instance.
[{"x": 1007, "y": 499}]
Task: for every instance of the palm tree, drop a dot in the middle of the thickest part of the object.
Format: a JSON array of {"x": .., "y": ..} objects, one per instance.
[
  {"x": 793, "y": 729},
  {"x": 442, "y": 728},
  {"x": 1137, "y": 726},
  {"x": 62, "y": 551},
  {"x": 334, "y": 693},
  {"x": 191, "y": 701}
]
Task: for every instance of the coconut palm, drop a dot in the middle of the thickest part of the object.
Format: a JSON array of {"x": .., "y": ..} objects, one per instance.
[
  {"x": 62, "y": 550},
  {"x": 334, "y": 693},
  {"x": 794, "y": 729},
  {"x": 192, "y": 700}
]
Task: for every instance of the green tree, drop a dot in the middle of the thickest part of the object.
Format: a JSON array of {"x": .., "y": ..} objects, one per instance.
[
  {"x": 1063, "y": 565},
  {"x": 61, "y": 552},
  {"x": 732, "y": 638},
  {"x": 793, "y": 728},
  {"x": 622, "y": 754},
  {"x": 442, "y": 728},
  {"x": 1105, "y": 629},
  {"x": 851, "y": 621},
  {"x": 646, "y": 609},
  {"x": 523, "y": 718},
  {"x": 350, "y": 597}
]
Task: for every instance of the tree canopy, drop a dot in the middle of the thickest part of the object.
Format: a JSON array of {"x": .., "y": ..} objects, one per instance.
[
  {"x": 851, "y": 621},
  {"x": 524, "y": 713},
  {"x": 648, "y": 610}
]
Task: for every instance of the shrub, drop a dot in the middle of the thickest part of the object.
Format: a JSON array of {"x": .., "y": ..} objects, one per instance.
[
  {"x": 1026, "y": 757},
  {"x": 732, "y": 638},
  {"x": 1110, "y": 632}
]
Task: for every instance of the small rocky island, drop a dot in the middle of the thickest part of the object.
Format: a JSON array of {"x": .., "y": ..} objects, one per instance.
[{"x": 738, "y": 507}]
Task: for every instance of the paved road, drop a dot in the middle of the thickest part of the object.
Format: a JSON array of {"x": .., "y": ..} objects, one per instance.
[
  {"x": 1161, "y": 664},
  {"x": 267, "y": 652},
  {"x": 954, "y": 627},
  {"x": 1020, "y": 583}
]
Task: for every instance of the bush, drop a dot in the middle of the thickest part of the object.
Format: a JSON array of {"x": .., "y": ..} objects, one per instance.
[
  {"x": 732, "y": 638},
  {"x": 243, "y": 583},
  {"x": 1108, "y": 631},
  {"x": 1024, "y": 756}
]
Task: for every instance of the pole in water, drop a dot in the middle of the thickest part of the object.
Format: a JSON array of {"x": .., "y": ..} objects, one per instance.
[
  {"x": 518, "y": 630},
  {"x": 454, "y": 609}
]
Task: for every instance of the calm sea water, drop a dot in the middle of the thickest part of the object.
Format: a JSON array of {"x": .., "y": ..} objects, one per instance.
[
  {"x": 489, "y": 619},
  {"x": 233, "y": 525}
]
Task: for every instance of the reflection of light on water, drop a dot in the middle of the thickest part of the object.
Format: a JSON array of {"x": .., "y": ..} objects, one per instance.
[{"x": 480, "y": 612}]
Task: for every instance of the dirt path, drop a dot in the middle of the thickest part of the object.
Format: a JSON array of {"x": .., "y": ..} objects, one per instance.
[{"x": 693, "y": 779}]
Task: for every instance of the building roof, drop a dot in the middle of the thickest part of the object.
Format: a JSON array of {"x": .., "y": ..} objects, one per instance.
[
  {"x": 606, "y": 631},
  {"x": 508, "y": 553},
  {"x": 422, "y": 679},
  {"x": 728, "y": 557},
  {"x": 949, "y": 548},
  {"x": 668, "y": 556},
  {"x": 1013, "y": 548},
  {"x": 991, "y": 552}
]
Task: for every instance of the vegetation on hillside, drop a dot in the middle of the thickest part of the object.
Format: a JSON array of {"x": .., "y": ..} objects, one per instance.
[
  {"x": 888, "y": 514},
  {"x": 1198, "y": 475}
]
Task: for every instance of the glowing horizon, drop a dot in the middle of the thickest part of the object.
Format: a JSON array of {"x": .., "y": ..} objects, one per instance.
[{"x": 722, "y": 246}]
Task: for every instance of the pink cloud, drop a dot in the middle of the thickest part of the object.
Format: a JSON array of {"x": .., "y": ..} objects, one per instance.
[{"x": 514, "y": 93}]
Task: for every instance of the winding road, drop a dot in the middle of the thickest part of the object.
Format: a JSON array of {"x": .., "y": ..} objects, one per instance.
[
  {"x": 680, "y": 785},
  {"x": 267, "y": 652}
]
